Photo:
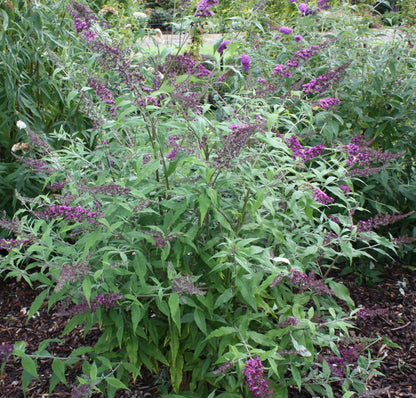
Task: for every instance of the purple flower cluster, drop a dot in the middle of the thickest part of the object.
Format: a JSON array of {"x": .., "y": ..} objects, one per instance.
[
  {"x": 326, "y": 103},
  {"x": 322, "y": 197},
  {"x": 37, "y": 166},
  {"x": 302, "y": 55},
  {"x": 380, "y": 220},
  {"x": 203, "y": 8},
  {"x": 223, "y": 46},
  {"x": 245, "y": 62},
  {"x": 254, "y": 375},
  {"x": 367, "y": 171},
  {"x": 285, "y": 30},
  {"x": 304, "y": 9},
  {"x": 302, "y": 152},
  {"x": 70, "y": 213},
  {"x": 325, "y": 82},
  {"x": 101, "y": 90},
  {"x": 5, "y": 351},
  {"x": 282, "y": 70},
  {"x": 82, "y": 15},
  {"x": 102, "y": 300},
  {"x": 308, "y": 282},
  {"x": 9, "y": 244},
  {"x": 181, "y": 64}
]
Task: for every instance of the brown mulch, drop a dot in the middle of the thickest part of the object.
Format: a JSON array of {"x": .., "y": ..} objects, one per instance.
[{"x": 394, "y": 318}]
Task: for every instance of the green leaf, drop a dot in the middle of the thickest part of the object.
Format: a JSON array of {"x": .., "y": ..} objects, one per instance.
[
  {"x": 112, "y": 381},
  {"x": 173, "y": 302},
  {"x": 341, "y": 292},
  {"x": 37, "y": 303},
  {"x": 176, "y": 373},
  {"x": 200, "y": 320},
  {"x": 204, "y": 204},
  {"x": 58, "y": 367},
  {"x": 86, "y": 288},
  {"x": 220, "y": 332},
  {"x": 296, "y": 376},
  {"x": 137, "y": 313},
  {"x": 390, "y": 343},
  {"x": 29, "y": 365}
]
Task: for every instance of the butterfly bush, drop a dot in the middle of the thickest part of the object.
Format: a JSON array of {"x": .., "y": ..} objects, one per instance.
[{"x": 198, "y": 221}]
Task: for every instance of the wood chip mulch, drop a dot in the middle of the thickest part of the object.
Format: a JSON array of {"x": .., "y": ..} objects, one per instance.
[{"x": 392, "y": 305}]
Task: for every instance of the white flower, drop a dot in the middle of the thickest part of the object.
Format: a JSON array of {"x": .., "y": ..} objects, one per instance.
[
  {"x": 139, "y": 15},
  {"x": 21, "y": 125}
]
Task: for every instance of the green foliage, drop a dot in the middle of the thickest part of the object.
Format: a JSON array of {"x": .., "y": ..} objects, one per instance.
[
  {"x": 29, "y": 89},
  {"x": 199, "y": 221}
]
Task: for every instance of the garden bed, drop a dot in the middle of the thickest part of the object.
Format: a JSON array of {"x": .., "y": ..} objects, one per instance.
[{"x": 393, "y": 299}]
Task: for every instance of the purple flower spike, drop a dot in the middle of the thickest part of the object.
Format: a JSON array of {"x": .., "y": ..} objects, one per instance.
[
  {"x": 258, "y": 385},
  {"x": 298, "y": 38},
  {"x": 322, "y": 197},
  {"x": 245, "y": 61},
  {"x": 285, "y": 30},
  {"x": 223, "y": 46}
]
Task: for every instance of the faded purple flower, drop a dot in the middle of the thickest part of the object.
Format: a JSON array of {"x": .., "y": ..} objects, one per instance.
[
  {"x": 82, "y": 391},
  {"x": 245, "y": 61},
  {"x": 185, "y": 284},
  {"x": 56, "y": 186},
  {"x": 106, "y": 189},
  {"x": 102, "y": 300},
  {"x": 9, "y": 244},
  {"x": 290, "y": 321},
  {"x": 73, "y": 272},
  {"x": 225, "y": 366},
  {"x": 5, "y": 351},
  {"x": 235, "y": 142},
  {"x": 298, "y": 38},
  {"x": 401, "y": 240},
  {"x": 285, "y": 30},
  {"x": 334, "y": 218},
  {"x": 254, "y": 377},
  {"x": 380, "y": 220}
]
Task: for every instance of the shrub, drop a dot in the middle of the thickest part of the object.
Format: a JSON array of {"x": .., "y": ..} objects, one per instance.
[{"x": 200, "y": 222}]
